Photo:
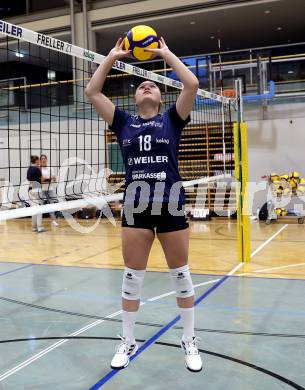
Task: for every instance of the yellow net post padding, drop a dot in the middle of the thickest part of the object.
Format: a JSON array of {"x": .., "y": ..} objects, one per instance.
[{"x": 242, "y": 195}]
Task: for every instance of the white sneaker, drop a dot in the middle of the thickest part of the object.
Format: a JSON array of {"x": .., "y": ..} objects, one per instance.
[
  {"x": 54, "y": 223},
  {"x": 123, "y": 353},
  {"x": 34, "y": 229},
  {"x": 41, "y": 230},
  {"x": 192, "y": 357}
]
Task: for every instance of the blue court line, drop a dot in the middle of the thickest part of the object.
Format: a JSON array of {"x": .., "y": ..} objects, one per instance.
[
  {"x": 16, "y": 269},
  {"x": 150, "y": 341}
]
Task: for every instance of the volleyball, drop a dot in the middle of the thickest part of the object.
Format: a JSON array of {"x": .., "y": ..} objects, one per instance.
[
  {"x": 281, "y": 212},
  {"x": 140, "y": 38}
]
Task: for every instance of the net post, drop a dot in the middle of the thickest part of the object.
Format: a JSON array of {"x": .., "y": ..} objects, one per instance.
[
  {"x": 238, "y": 202},
  {"x": 241, "y": 173},
  {"x": 245, "y": 193}
]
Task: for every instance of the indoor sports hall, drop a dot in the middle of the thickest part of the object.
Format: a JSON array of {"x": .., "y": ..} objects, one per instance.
[{"x": 65, "y": 169}]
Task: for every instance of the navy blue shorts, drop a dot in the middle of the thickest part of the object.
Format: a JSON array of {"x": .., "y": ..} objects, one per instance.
[{"x": 165, "y": 222}]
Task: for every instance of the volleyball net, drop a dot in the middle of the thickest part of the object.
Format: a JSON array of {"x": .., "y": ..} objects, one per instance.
[{"x": 44, "y": 111}]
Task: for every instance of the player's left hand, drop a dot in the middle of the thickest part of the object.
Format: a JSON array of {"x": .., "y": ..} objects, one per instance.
[{"x": 162, "y": 50}]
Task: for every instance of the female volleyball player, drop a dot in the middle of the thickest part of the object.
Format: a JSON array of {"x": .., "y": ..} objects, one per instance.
[
  {"x": 48, "y": 185},
  {"x": 34, "y": 177},
  {"x": 149, "y": 143}
]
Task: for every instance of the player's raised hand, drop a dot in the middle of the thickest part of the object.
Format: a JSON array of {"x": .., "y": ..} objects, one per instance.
[
  {"x": 161, "y": 50},
  {"x": 118, "y": 51}
]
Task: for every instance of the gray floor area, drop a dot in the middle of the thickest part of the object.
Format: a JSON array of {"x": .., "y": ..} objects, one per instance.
[{"x": 252, "y": 330}]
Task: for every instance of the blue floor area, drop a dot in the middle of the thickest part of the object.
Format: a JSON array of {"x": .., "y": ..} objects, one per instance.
[{"x": 252, "y": 331}]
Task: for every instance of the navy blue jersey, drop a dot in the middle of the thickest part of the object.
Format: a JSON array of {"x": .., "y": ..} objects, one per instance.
[
  {"x": 34, "y": 174},
  {"x": 150, "y": 154}
]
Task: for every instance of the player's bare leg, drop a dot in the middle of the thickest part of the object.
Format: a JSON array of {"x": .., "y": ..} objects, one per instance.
[
  {"x": 175, "y": 246},
  {"x": 136, "y": 245}
]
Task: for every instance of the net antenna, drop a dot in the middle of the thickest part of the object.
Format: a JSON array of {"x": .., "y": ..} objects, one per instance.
[{"x": 67, "y": 131}]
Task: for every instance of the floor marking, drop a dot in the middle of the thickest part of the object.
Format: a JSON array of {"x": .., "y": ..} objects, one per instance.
[
  {"x": 16, "y": 269},
  {"x": 174, "y": 292},
  {"x": 163, "y": 330},
  {"x": 78, "y": 332},
  {"x": 98, "y": 322},
  {"x": 53, "y": 346},
  {"x": 280, "y": 267},
  {"x": 272, "y": 268},
  {"x": 267, "y": 241}
]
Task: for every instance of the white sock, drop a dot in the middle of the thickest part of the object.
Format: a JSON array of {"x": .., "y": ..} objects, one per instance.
[
  {"x": 129, "y": 319},
  {"x": 187, "y": 316}
]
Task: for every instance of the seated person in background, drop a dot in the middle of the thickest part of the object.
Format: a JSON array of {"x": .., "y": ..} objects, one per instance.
[
  {"x": 34, "y": 177},
  {"x": 48, "y": 180}
]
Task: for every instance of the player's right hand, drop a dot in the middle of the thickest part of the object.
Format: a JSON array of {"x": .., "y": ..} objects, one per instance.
[{"x": 118, "y": 51}]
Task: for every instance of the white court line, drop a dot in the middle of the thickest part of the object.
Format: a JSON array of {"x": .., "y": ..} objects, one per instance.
[
  {"x": 53, "y": 346},
  {"x": 272, "y": 268},
  {"x": 78, "y": 332},
  {"x": 63, "y": 341},
  {"x": 267, "y": 241},
  {"x": 174, "y": 292},
  {"x": 235, "y": 269},
  {"x": 281, "y": 267}
]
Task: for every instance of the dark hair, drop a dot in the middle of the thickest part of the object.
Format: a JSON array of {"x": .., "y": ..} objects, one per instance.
[
  {"x": 43, "y": 155},
  {"x": 34, "y": 159}
]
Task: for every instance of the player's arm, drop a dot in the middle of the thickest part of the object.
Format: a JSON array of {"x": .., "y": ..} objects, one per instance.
[
  {"x": 101, "y": 103},
  {"x": 44, "y": 179},
  {"x": 190, "y": 82},
  {"x": 39, "y": 174},
  {"x": 53, "y": 177}
]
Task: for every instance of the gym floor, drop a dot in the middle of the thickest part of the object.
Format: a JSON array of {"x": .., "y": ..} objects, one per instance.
[{"x": 62, "y": 284}]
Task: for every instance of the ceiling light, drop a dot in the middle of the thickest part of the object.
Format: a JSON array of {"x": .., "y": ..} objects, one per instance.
[
  {"x": 267, "y": 12},
  {"x": 20, "y": 55},
  {"x": 192, "y": 22},
  {"x": 212, "y": 36},
  {"x": 290, "y": 71},
  {"x": 279, "y": 28}
]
